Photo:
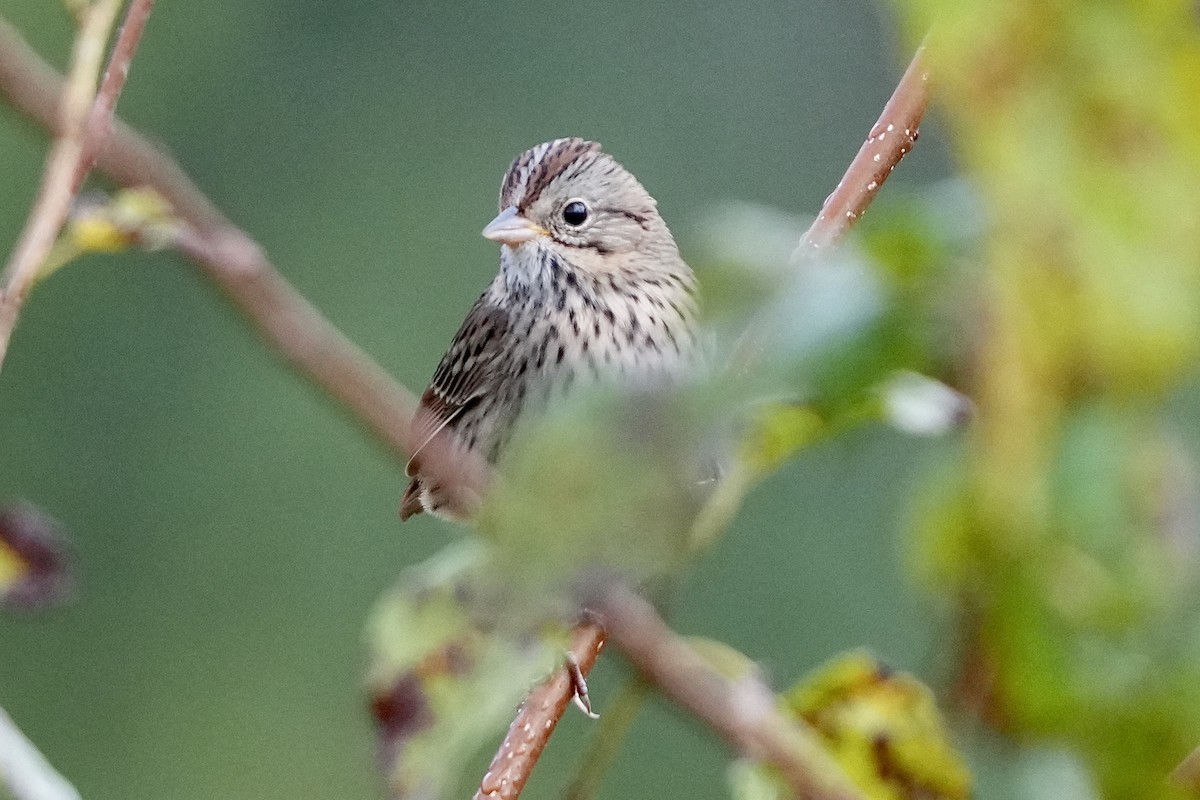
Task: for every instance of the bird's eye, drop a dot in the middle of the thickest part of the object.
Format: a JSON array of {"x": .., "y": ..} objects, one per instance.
[{"x": 575, "y": 213}]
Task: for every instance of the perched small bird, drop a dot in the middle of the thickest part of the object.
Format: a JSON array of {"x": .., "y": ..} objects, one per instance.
[{"x": 591, "y": 287}]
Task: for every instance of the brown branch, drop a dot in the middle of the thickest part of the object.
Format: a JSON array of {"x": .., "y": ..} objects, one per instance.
[
  {"x": 236, "y": 263},
  {"x": 100, "y": 120},
  {"x": 743, "y": 711},
  {"x": 889, "y": 141},
  {"x": 1187, "y": 775},
  {"x": 77, "y": 96},
  {"x": 536, "y": 720},
  {"x": 300, "y": 333},
  {"x": 31, "y": 86},
  {"x": 228, "y": 256}
]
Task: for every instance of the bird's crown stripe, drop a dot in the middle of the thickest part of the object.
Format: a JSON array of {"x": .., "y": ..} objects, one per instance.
[{"x": 536, "y": 168}]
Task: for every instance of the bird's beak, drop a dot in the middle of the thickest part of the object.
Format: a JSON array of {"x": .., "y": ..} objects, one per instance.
[{"x": 511, "y": 228}]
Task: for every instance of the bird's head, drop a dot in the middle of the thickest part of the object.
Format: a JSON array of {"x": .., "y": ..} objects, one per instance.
[{"x": 569, "y": 197}]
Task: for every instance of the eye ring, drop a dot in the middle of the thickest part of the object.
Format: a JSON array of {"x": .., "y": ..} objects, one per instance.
[{"x": 575, "y": 212}]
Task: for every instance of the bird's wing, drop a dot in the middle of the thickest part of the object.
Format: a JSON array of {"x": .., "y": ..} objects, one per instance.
[{"x": 463, "y": 377}]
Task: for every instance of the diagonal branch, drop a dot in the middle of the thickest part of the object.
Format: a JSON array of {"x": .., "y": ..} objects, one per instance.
[
  {"x": 535, "y": 721},
  {"x": 24, "y": 771},
  {"x": 889, "y": 141},
  {"x": 893, "y": 137},
  {"x": 32, "y": 87},
  {"x": 228, "y": 256},
  {"x": 100, "y": 121},
  {"x": 744, "y": 711},
  {"x": 236, "y": 263},
  {"x": 299, "y": 332},
  {"x": 65, "y": 162}
]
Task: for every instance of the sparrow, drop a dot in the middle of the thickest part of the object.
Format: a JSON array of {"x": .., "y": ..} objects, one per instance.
[{"x": 591, "y": 289}]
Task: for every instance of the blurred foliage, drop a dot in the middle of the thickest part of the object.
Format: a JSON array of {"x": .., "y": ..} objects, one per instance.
[
  {"x": 99, "y": 223},
  {"x": 35, "y": 570},
  {"x": 1055, "y": 283},
  {"x": 1066, "y": 535},
  {"x": 610, "y": 483},
  {"x": 627, "y": 485},
  {"x": 882, "y": 726},
  {"x": 446, "y": 674},
  {"x": 231, "y": 532}
]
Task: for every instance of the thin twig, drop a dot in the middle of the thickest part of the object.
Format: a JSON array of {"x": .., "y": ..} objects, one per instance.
[
  {"x": 25, "y": 771},
  {"x": 539, "y": 714},
  {"x": 320, "y": 352},
  {"x": 229, "y": 257},
  {"x": 300, "y": 333},
  {"x": 889, "y": 141},
  {"x": 32, "y": 87},
  {"x": 100, "y": 120},
  {"x": 1187, "y": 774},
  {"x": 58, "y": 183},
  {"x": 743, "y": 711},
  {"x": 600, "y": 753},
  {"x": 234, "y": 261}
]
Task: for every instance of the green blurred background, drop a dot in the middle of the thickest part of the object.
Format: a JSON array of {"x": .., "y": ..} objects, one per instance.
[{"x": 232, "y": 529}]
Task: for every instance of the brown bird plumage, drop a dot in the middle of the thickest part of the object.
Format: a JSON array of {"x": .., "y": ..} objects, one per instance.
[{"x": 591, "y": 287}]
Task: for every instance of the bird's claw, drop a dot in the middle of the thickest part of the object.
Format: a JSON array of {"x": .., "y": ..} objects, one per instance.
[{"x": 579, "y": 684}]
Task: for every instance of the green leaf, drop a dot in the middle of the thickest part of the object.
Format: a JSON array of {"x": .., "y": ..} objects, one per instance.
[
  {"x": 883, "y": 727},
  {"x": 608, "y": 486},
  {"x": 445, "y": 677},
  {"x": 749, "y": 780},
  {"x": 777, "y": 433}
]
